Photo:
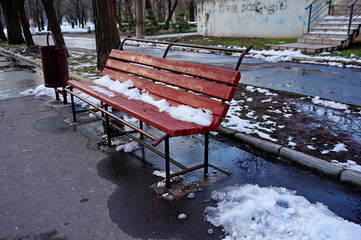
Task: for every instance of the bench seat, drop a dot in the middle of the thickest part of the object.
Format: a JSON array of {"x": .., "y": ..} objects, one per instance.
[{"x": 145, "y": 112}]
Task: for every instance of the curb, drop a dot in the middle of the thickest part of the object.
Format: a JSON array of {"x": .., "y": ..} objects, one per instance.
[{"x": 310, "y": 162}]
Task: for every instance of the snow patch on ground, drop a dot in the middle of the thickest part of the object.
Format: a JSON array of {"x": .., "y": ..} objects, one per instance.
[
  {"x": 351, "y": 165},
  {"x": 331, "y": 104},
  {"x": 128, "y": 147},
  {"x": 39, "y": 91},
  {"x": 252, "y": 212}
]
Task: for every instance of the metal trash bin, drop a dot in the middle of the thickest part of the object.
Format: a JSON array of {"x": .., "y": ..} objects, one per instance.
[{"x": 54, "y": 61}]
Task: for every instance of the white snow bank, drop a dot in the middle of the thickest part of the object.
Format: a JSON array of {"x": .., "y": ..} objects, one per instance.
[
  {"x": 201, "y": 117},
  {"x": 252, "y": 212}
]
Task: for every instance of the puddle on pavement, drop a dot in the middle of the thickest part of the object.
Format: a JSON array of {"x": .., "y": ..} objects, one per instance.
[
  {"x": 16, "y": 77},
  {"x": 332, "y": 83}
]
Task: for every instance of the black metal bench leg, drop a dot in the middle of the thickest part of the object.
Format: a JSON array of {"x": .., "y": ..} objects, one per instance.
[
  {"x": 206, "y": 149},
  {"x": 167, "y": 163},
  {"x": 65, "y": 97},
  {"x": 107, "y": 127},
  {"x": 72, "y": 104},
  {"x": 141, "y": 127},
  {"x": 56, "y": 94}
]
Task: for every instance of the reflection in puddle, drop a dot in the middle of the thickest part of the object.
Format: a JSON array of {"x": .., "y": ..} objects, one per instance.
[{"x": 340, "y": 120}]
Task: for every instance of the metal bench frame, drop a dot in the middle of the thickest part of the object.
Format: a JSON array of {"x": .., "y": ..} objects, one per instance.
[{"x": 103, "y": 114}]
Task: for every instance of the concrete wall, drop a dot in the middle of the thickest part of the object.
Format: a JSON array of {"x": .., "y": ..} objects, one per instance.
[{"x": 252, "y": 18}]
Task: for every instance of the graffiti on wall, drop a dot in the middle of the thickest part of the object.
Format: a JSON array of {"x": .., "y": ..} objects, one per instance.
[
  {"x": 263, "y": 8},
  {"x": 228, "y": 8},
  {"x": 257, "y": 6}
]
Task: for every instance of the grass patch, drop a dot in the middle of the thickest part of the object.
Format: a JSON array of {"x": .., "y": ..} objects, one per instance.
[
  {"x": 353, "y": 51},
  {"x": 258, "y": 43}
]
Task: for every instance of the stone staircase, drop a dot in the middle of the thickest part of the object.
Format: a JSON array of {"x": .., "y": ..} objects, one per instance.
[{"x": 329, "y": 34}]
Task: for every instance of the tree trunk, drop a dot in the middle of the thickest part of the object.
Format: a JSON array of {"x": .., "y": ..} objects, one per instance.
[
  {"x": 106, "y": 31},
  {"x": 191, "y": 7},
  {"x": 34, "y": 13},
  {"x": 53, "y": 22},
  {"x": 128, "y": 10},
  {"x": 140, "y": 19},
  {"x": 12, "y": 22},
  {"x": 20, "y": 5},
  {"x": 119, "y": 14},
  {"x": 171, "y": 10},
  {"x": 59, "y": 13},
  {"x": 2, "y": 34},
  {"x": 159, "y": 10}
]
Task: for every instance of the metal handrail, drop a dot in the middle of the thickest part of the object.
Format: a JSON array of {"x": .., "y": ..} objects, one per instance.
[
  {"x": 354, "y": 14},
  {"x": 314, "y": 12}
]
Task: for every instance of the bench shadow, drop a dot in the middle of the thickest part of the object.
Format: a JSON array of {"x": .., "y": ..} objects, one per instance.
[{"x": 140, "y": 212}]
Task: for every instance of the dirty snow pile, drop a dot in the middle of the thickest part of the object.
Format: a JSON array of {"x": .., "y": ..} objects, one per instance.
[
  {"x": 201, "y": 117},
  {"x": 128, "y": 147},
  {"x": 39, "y": 91},
  {"x": 252, "y": 212}
]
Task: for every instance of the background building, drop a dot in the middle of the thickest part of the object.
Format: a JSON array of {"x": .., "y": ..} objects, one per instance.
[{"x": 252, "y": 18}]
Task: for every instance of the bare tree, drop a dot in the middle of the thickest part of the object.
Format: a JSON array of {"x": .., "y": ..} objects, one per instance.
[
  {"x": 191, "y": 10},
  {"x": 36, "y": 10},
  {"x": 78, "y": 9},
  {"x": 12, "y": 22},
  {"x": 106, "y": 31},
  {"x": 2, "y": 34},
  {"x": 20, "y": 5},
  {"x": 140, "y": 19},
  {"x": 53, "y": 21},
  {"x": 171, "y": 9},
  {"x": 59, "y": 10}
]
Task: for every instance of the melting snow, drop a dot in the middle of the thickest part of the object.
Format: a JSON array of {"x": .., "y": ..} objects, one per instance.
[
  {"x": 201, "y": 117},
  {"x": 128, "y": 147},
  {"x": 340, "y": 147},
  {"x": 331, "y": 104},
  {"x": 252, "y": 212},
  {"x": 351, "y": 165}
]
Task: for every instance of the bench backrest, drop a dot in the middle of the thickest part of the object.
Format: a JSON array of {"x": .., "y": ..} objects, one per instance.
[{"x": 196, "y": 85}]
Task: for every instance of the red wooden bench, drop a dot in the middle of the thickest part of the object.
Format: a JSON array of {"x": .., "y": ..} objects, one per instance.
[{"x": 179, "y": 83}]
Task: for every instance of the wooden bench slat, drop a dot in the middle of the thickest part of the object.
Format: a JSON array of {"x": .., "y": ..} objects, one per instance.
[
  {"x": 202, "y": 86},
  {"x": 145, "y": 112},
  {"x": 217, "y": 107},
  {"x": 208, "y": 72}
]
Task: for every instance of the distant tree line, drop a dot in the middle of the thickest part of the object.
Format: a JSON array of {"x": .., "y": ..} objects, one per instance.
[{"x": 109, "y": 17}]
